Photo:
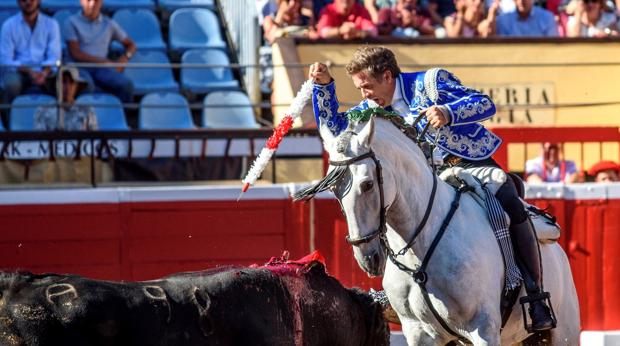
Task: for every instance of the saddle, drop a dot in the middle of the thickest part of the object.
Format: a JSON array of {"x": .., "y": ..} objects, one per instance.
[{"x": 547, "y": 229}]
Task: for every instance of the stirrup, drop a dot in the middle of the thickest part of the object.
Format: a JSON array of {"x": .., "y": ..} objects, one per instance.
[{"x": 546, "y": 297}]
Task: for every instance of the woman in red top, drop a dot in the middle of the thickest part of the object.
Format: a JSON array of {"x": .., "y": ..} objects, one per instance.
[{"x": 345, "y": 19}]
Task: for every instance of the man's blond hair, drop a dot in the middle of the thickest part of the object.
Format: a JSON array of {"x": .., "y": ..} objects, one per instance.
[{"x": 374, "y": 61}]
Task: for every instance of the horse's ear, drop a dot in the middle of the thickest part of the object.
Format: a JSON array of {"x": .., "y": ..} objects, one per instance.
[
  {"x": 367, "y": 132},
  {"x": 326, "y": 135}
]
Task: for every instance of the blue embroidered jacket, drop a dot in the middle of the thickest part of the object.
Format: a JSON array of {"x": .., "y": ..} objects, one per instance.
[{"x": 463, "y": 136}]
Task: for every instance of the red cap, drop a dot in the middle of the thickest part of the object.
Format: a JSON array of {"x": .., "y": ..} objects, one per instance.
[{"x": 603, "y": 166}]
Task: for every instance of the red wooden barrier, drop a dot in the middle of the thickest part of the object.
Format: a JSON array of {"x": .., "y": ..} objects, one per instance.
[{"x": 138, "y": 235}]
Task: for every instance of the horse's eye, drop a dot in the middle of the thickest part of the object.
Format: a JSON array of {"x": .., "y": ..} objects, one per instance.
[{"x": 367, "y": 186}]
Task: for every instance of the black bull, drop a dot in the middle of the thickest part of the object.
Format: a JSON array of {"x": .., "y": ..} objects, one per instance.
[{"x": 280, "y": 304}]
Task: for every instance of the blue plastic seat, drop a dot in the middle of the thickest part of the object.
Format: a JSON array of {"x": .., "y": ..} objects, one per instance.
[
  {"x": 171, "y": 5},
  {"x": 191, "y": 28},
  {"x": 151, "y": 79},
  {"x": 108, "y": 109},
  {"x": 61, "y": 17},
  {"x": 228, "y": 110},
  {"x": 113, "y": 5},
  {"x": 204, "y": 80},
  {"x": 23, "y": 108},
  {"x": 9, "y": 5},
  {"x": 160, "y": 111},
  {"x": 5, "y": 14},
  {"x": 57, "y": 5},
  {"x": 142, "y": 26}
]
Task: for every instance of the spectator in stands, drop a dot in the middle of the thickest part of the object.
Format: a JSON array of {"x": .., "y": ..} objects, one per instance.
[
  {"x": 375, "y": 6},
  {"x": 88, "y": 36},
  {"x": 527, "y": 20},
  {"x": 469, "y": 19},
  {"x": 71, "y": 116},
  {"x": 590, "y": 18},
  {"x": 31, "y": 42},
  {"x": 404, "y": 20},
  {"x": 345, "y": 19},
  {"x": 438, "y": 10},
  {"x": 290, "y": 18},
  {"x": 605, "y": 172},
  {"x": 549, "y": 167}
]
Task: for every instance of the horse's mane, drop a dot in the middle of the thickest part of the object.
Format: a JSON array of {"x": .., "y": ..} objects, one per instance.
[{"x": 344, "y": 142}]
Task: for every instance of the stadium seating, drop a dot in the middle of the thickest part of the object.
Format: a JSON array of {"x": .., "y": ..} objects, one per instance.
[
  {"x": 171, "y": 5},
  {"x": 204, "y": 80},
  {"x": 23, "y": 108},
  {"x": 160, "y": 111},
  {"x": 191, "y": 28},
  {"x": 5, "y": 14},
  {"x": 108, "y": 109},
  {"x": 142, "y": 26},
  {"x": 228, "y": 110},
  {"x": 56, "y": 5},
  {"x": 113, "y": 5},
  {"x": 146, "y": 80},
  {"x": 9, "y": 5},
  {"x": 61, "y": 17}
]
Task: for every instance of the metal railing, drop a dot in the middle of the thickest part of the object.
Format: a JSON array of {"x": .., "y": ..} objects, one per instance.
[{"x": 241, "y": 20}]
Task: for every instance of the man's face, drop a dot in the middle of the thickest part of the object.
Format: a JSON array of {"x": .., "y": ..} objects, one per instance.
[
  {"x": 552, "y": 153},
  {"x": 524, "y": 7},
  {"x": 28, "y": 7},
  {"x": 379, "y": 90},
  {"x": 344, "y": 6},
  {"x": 606, "y": 176},
  {"x": 69, "y": 88},
  {"x": 91, "y": 7}
]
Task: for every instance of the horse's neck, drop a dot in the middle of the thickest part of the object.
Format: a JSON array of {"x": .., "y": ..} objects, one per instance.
[{"x": 413, "y": 181}]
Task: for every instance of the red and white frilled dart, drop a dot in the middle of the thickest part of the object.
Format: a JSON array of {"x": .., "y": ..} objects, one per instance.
[{"x": 294, "y": 111}]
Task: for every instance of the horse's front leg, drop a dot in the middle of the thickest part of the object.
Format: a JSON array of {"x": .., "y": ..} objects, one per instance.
[
  {"x": 485, "y": 330},
  {"x": 416, "y": 335}
]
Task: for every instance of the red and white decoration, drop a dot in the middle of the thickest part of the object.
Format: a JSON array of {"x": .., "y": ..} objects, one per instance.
[{"x": 301, "y": 99}]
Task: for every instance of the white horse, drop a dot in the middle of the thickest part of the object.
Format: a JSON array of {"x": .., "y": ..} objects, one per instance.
[{"x": 465, "y": 274}]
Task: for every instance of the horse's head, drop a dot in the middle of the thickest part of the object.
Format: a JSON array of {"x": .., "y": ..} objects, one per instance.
[{"x": 357, "y": 181}]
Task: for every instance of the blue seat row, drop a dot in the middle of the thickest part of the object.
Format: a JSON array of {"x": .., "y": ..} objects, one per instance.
[
  {"x": 160, "y": 110},
  {"x": 189, "y": 28},
  {"x": 195, "y": 80},
  {"x": 112, "y": 5}
]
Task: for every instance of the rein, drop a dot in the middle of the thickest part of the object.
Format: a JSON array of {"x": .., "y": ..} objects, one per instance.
[{"x": 419, "y": 275}]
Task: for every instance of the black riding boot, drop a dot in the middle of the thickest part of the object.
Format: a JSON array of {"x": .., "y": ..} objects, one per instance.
[{"x": 526, "y": 246}]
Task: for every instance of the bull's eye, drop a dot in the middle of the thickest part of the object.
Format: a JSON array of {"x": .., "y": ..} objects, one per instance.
[{"x": 366, "y": 186}]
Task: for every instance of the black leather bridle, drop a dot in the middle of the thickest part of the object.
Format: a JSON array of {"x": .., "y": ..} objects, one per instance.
[
  {"x": 382, "y": 219},
  {"x": 382, "y": 229}
]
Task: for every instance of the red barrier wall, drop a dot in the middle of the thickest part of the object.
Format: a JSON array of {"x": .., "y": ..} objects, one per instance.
[{"x": 139, "y": 234}]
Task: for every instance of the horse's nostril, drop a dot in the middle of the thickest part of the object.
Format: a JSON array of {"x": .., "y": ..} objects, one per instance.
[{"x": 376, "y": 258}]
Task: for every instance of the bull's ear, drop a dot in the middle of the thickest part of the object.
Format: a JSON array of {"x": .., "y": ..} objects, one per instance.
[
  {"x": 367, "y": 133},
  {"x": 326, "y": 134}
]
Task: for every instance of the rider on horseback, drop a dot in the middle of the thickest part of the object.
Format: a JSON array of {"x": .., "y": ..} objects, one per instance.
[{"x": 455, "y": 111}]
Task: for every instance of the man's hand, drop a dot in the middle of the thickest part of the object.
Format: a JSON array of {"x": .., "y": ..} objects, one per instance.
[
  {"x": 121, "y": 60},
  {"x": 435, "y": 116},
  {"x": 319, "y": 73},
  {"x": 38, "y": 78}
]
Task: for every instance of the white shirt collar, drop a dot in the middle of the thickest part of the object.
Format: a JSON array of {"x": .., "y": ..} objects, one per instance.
[{"x": 397, "y": 93}]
